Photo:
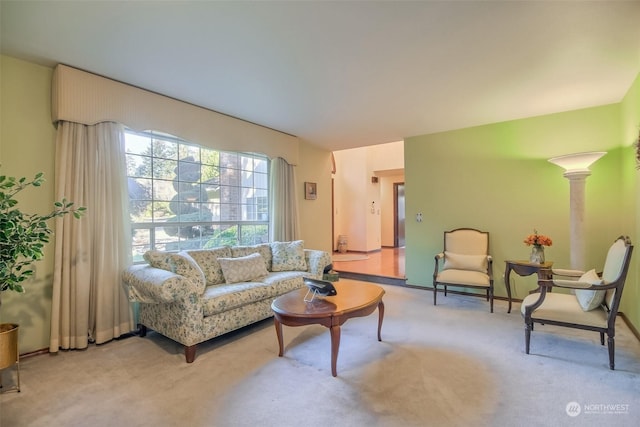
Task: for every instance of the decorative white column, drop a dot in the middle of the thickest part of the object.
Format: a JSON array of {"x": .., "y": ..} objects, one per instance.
[
  {"x": 577, "y": 246},
  {"x": 576, "y": 171}
]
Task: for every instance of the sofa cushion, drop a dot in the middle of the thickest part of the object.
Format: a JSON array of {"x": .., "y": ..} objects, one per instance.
[
  {"x": 263, "y": 249},
  {"x": 207, "y": 260},
  {"x": 243, "y": 269},
  {"x": 456, "y": 261},
  {"x": 220, "y": 298},
  {"x": 281, "y": 282},
  {"x": 590, "y": 300},
  {"x": 184, "y": 265},
  {"x": 158, "y": 259},
  {"x": 288, "y": 256}
]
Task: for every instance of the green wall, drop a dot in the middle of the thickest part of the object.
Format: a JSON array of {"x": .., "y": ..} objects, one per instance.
[
  {"x": 497, "y": 178},
  {"x": 27, "y": 146},
  {"x": 630, "y": 123}
]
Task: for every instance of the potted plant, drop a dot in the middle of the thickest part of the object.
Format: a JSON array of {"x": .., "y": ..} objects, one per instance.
[{"x": 22, "y": 240}]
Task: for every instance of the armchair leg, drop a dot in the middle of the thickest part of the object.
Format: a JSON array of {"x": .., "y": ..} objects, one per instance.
[
  {"x": 601, "y": 338},
  {"x": 527, "y": 336},
  {"x": 612, "y": 349},
  {"x": 435, "y": 292},
  {"x": 445, "y": 290},
  {"x": 490, "y": 295}
]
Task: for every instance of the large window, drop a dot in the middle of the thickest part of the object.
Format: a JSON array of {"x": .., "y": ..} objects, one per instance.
[{"x": 184, "y": 196}]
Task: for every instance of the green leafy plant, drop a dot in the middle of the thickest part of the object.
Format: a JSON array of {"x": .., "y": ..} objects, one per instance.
[{"x": 23, "y": 236}]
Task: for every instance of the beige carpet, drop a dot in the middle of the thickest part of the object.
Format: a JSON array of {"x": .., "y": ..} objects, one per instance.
[{"x": 450, "y": 365}]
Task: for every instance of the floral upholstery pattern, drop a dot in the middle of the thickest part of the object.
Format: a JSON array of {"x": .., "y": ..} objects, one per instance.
[
  {"x": 175, "y": 302},
  {"x": 158, "y": 259},
  {"x": 244, "y": 268},
  {"x": 288, "y": 256},
  {"x": 141, "y": 283},
  {"x": 207, "y": 259},
  {"x": 263, "y": 249},
  {"x": 184, "y": 265}
]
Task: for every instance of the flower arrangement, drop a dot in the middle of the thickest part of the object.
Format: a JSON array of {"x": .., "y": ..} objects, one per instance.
[{"x": 538, "y": 239}]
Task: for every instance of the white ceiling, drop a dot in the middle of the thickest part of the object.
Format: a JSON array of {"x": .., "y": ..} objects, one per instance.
[{"x": 346, "y": 74}]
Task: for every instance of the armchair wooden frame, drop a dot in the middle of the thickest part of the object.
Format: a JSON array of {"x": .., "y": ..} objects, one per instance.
[
  {"x": 609, "y": 307},
  {"x": 486, "y": 282}
]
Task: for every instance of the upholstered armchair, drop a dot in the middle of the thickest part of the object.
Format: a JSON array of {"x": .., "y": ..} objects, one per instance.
[
  {"x": 594, "y": 304},
  {"x": 464, "y": 262}
]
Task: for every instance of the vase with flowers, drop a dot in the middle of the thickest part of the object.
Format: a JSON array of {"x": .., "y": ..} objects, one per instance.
[{"x": 537, "y": 243}]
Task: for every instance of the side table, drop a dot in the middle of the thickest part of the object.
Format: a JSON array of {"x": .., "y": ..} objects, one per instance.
[{"x": 526, "y": 268}]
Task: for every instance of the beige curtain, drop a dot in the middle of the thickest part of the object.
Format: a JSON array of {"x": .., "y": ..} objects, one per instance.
[
  {"x": 89, "y": 303},
  {"x": 284, "y": 223}
]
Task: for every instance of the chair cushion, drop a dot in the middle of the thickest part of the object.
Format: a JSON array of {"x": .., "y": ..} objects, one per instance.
[
  {"x": 243, "y": 269},
  {"x": 288, "y": 256},
  {"x": 587, "y": 299},
  {"x": 457, "y": 261},
  {"x": 566, "y": 309},
  {"x": 463, "y": 277}
]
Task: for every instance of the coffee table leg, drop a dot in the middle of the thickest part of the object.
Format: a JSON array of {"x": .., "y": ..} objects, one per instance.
[
  {"x": 335, "y": 346},
  {"x": 380, "y": 318},
  {"x": 278, "y": 326}
]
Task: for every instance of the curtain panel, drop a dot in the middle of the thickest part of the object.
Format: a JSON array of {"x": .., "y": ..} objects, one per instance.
[
  {"x": 284, "y": 221},
  {"x": 89, "y": 303}
]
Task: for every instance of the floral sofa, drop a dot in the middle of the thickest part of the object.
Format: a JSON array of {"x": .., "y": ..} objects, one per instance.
[{"x": 195, "y": 295}]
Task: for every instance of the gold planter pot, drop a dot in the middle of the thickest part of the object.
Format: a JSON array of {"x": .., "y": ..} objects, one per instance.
[{"x": 9, "y": 349}]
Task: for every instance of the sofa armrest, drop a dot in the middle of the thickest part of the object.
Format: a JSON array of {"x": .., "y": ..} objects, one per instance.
[
  {"x": 147, "y": 284},
  {"x": 316, "y": 262}
]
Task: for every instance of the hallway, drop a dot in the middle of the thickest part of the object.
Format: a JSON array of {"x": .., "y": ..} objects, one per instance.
[{"x": 384, "y": 266}]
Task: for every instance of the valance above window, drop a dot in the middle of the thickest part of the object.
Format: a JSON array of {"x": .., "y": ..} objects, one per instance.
[{"x": 86, "y": 98}]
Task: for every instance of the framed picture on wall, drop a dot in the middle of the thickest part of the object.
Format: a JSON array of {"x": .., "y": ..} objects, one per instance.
[{"x": 310, "y": 190}]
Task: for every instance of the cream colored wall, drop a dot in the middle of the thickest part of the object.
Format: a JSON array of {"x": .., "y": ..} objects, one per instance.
[
  {"x": 315, "y": 215},
  {"x": 27, "y": 146},
  {"x": 354, "y": 214},
  {"x": 350, "y": 199},
  {"x": 27, "y": 143}
]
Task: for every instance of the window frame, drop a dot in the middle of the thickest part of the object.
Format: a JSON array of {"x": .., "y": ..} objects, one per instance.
[{"x": 246, "y": 178}]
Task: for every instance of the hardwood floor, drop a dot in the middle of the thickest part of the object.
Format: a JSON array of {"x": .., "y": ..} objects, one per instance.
[{"x": 384, "y": 266}]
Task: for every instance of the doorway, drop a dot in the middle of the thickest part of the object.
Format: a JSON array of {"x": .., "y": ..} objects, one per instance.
[{"x": 398, "y": 214}]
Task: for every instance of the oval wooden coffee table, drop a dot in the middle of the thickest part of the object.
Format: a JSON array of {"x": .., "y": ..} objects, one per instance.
[{"x": 352, "y": 300}]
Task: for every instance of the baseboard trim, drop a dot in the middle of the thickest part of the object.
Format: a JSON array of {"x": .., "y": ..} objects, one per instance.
[
  {"x": 383, "y": 280},
  {"x": 627, "y": 322}
]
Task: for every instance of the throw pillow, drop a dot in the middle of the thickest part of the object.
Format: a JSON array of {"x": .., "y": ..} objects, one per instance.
[
  {"x": 186, "y": 266},
  {"x": 263, "y": 249},
  {"x": 456, "y": 261},
  {"x": 588, "y": 299},
  {"x": 207, "y": 260},
  {"x": 158, "y": 259},
  {"x": 288, "y": 256},
  {"x": 243, "y": 269}
]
